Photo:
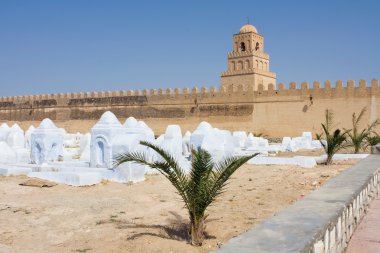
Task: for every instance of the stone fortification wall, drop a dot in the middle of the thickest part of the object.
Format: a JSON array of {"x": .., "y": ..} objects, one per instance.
[{"x": 285, "y": 111}]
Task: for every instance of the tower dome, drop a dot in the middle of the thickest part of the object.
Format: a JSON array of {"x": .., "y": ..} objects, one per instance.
[{"x": 248, "y": 28}]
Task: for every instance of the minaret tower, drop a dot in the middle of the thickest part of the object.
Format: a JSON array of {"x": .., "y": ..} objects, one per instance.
[{"x": 248, "y": 64}]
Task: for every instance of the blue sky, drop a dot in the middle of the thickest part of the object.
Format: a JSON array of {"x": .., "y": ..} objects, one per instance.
[{"x": 75, "y": 45}]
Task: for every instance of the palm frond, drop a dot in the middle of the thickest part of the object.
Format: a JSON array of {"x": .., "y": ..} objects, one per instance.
[
  {"x": 223, "y": 171},
  {"x": 335, "y": 140},
  {"x": 199, "y": 183},
  {"x": 179, "y": 172},
  {"x": 373, "y": 140},
  {"x": 359, "y": 118},
  {"x": 169, "y": 167},
  {"x": 356, "y": 138},
  {"x": 374, "y": 124}
]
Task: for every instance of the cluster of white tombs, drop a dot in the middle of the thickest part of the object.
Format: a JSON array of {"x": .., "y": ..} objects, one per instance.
[{"x": 48, "y": 152}]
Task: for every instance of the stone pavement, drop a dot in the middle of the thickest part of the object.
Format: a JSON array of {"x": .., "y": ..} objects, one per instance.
[
  {"x": 366, "y": 238},
  {"x": 323, "y": 221}
]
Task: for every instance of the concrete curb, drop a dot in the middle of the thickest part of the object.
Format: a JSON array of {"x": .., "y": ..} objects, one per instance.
[{"x": 322, "y": 222}]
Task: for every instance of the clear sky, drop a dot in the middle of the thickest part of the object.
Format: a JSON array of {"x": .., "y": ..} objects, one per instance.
[{"x": 76, "y": 45}]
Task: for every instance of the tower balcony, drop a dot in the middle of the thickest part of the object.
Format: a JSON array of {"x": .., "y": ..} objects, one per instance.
[
  {"x": 234, "y": 54},
  {"x": 248, "y": 71}
]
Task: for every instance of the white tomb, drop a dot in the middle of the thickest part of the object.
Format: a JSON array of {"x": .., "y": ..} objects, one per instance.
[
  {"x": 172, "y": 142},
  {"x": 84, "y": 147},
  {"x": 7, "y": 154},
  {"x": 186, "y": 149},
  {"x": 110, "y": 138},
  {"x": 139, "y": 127},
  {"x": 28, "y": 135},
  {"x": 103, "y": 134},
  {"x": 219, "y": 143},
  {"x": 4, "y": 131},
  {"x": 84, "y": 141},
  {"x": 16, "y": 138},
  {"x": 71, "y": 140},
  {"x": 240, "y": 138},
  {"x": 131, "y": 122},
  {"x": 46, "y": 143},
  {"x": 199, "y": 134},
  {"x": 147, "y": 130},
  {"x": 302, "y": 142},
  {"x": 129, "y": 171},
  {"x": 289, "y": 145}
]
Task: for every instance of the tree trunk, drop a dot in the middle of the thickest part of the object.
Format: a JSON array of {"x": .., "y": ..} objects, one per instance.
[
  {"x": 197, "y": 228},
  {"x": 329, "y": 159}
]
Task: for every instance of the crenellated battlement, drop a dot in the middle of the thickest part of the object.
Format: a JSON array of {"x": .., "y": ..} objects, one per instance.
[
  {"x": 351, "y": 88},
  {"x": 338, "y": 89}
]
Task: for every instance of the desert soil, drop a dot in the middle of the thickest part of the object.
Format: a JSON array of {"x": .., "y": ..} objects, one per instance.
[{"x": 146, "y": 216}]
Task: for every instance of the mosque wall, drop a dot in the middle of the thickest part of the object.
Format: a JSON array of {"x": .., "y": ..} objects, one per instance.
[{"x": 275, "y": 112}]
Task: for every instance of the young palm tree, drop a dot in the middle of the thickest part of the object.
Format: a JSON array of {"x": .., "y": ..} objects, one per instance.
[
  {"x": 335, "y": 141},
  {"x": 199, "y": 188},
  {"x": 357, "y": 139},
  {"x": 373, "y": 140}
]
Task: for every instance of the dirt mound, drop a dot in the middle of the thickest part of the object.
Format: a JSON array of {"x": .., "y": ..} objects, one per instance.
[{"x": 36, "y": 182}]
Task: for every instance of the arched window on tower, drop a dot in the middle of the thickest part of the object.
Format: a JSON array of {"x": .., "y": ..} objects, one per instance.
[
  {"x": 242, "y": 47},
  {"x": 257, "y": 47}
]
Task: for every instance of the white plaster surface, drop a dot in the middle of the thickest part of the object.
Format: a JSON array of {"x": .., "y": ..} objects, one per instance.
[
  {"x": 199, "y": 134},
  {"x": 240, "y": 138},
  {"x": 337, "y": 157},
  {"x": 303, "y": 142},
  {"x": 84, "y": 141},
  {"x": 172, "y": 141},
  {"x": 302, "y": 161},
  {"x": 22, "y": 155},
  {"x": 103, "y": 134},
  {"x": 7, "y": 154},
  {"x": 14, "y": 171},
  {"x": 69, "y": 178},
  {"x": 28, "y": 135},
  {"x": 4, "y": 131},
  {"x": 46, "y": 143},
  {"x": 16, "y": 137},
  {"x": 186, "y": 149}
]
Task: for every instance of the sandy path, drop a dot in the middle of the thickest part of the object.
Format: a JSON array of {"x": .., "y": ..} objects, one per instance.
[{"x": 144, "y": 217}]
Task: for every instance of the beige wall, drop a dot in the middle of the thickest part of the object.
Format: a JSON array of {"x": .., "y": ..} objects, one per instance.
[{"x": 277, "y": 113}]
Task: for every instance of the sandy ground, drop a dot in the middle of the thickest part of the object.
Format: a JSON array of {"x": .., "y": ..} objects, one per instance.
[{"x": 143, "y": 217}]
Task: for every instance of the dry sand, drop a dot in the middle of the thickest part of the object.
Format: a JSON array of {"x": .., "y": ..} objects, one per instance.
[{"x": 143, "y": 217}]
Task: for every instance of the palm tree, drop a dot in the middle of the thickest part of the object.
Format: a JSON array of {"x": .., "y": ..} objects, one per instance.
[
  {"x": 357, "y": 139},
  {"x": 199, "y": 188},
  {"x": 335, "y": 141},
  {"x": 373, "y": 140}
]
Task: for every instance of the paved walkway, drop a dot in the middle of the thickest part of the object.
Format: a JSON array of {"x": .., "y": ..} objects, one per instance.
[{"x": 366, "y": 238}]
